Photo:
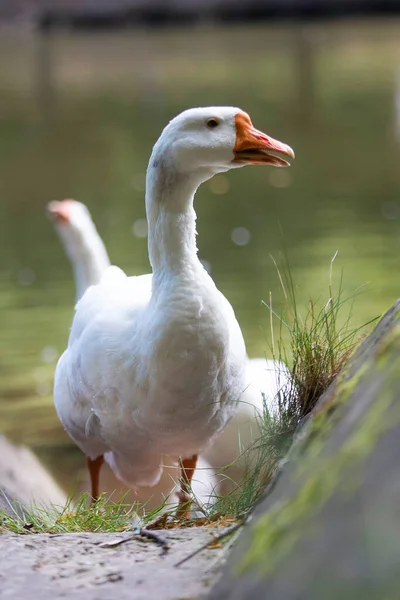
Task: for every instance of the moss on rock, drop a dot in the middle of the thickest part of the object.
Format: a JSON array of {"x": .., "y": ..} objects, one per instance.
[{"x": 337, "y": 458}]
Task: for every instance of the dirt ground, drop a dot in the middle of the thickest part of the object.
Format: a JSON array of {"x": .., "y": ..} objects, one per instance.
[{"x": 44, "y": 567}]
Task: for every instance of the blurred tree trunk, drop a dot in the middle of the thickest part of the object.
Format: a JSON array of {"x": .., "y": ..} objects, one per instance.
[
  {"x": 44, "y": 74},
  {"x": 304, "y": 51}
]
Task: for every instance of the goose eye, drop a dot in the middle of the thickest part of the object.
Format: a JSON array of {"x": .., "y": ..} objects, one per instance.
[{"x": 212, "y": 123}]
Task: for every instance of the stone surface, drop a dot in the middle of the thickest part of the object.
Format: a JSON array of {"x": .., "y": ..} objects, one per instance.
[
  {"x": 24, "y": 479},
  {"x": 45, "y": 567},
  {"x": 329, "y": 526}
]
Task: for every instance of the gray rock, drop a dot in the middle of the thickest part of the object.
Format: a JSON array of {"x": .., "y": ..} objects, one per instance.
[
  {"x": 329, "y": 528},
  {"x": 24, "y": 480}
]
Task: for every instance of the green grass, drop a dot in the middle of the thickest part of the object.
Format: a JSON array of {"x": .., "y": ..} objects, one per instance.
[
  {"x": 79, "y": 515},
  {"x": 104, "y": 516},
  {"x": 320, "y": 342},
  {"x": 314, "y": 344}
]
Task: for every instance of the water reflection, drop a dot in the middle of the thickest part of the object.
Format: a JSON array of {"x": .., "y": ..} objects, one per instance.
[
  {"x": 139, "y": 228},
  {"x": 80, "y": 122},
  {"x": 240, "y": 236}
]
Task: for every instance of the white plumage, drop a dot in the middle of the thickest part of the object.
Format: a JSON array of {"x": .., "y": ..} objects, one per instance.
[
  {"x": 147, "y": 374},
  {"x": 88, "y": 256},
  {"x": 83, "y": 245}
]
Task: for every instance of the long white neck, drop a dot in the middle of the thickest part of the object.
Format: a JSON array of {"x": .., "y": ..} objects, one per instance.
[
  {"x": 88, "y": 257},
  {"x": 171, "y": 220}
]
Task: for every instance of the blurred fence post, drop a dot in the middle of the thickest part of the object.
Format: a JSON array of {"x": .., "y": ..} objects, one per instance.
[
  {"x": 44, "y": 73},
  {"x": 396, "y": 104},
  {"x": 304, "y": 95}
]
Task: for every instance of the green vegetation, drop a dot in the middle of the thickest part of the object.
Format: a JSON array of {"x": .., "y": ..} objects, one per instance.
[
  {"x": 105, "y": 515},
  {"x": 72, "y": 518},
  {"x": 320, "y": 343}
]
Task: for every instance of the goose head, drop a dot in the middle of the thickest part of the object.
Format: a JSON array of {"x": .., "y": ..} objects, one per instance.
[
  {"x": 78, "y": 233},
  {"x": 204, "y": 141},
  {"x": 71, "y": 219},
  {"x": 80, "y": 239}
]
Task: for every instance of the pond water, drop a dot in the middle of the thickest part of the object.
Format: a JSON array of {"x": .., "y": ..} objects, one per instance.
[{"x": 78, "y": 116}]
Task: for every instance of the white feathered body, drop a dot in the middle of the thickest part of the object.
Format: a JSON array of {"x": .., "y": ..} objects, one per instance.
[
  {"x": 175, "y": 356},
  {"x": 162, "y": 372}
]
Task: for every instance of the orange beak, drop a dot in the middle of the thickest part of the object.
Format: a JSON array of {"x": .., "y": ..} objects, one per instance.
[
  {"x": 59, "y": 211},
  {"x": 255, "y": 147}
]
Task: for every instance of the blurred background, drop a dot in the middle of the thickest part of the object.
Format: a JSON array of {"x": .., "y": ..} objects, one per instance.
[{"x": 85, "y": 89}]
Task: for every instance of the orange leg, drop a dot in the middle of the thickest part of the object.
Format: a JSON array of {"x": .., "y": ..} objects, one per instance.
[
  {"x": 94, "y": 467},
  {"x": 188, "y": 467}
]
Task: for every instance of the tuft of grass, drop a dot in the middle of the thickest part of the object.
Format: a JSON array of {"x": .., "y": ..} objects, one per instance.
[
  {"x": 75, "y": 517},
  {"x": 260, "y": 461},
  {"x": 320, "y": 341},
  {"x": 105, "y": 516}
]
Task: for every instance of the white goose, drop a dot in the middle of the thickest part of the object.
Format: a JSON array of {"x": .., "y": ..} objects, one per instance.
[
  {"x": 147, "y": 374},
  {"x": 89, "y": 258}
]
